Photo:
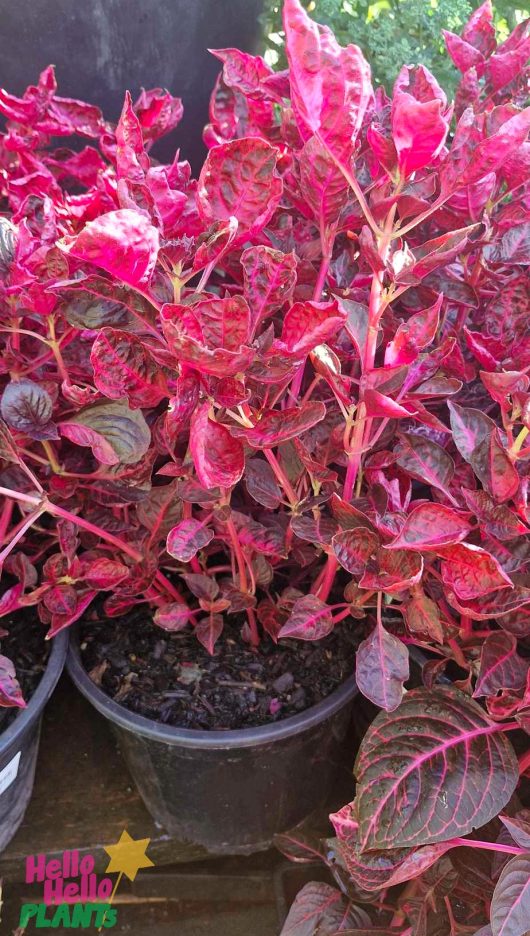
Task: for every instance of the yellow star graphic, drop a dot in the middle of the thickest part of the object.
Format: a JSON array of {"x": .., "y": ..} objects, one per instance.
[{"x": 127, "y": 856}]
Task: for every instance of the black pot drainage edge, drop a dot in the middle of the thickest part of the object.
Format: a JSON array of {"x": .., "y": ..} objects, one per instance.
[
  {"x": 229, "y": 791},
  {"x": 19, "y": 746}
]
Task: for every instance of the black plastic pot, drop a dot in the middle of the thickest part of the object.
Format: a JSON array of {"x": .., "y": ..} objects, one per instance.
[
  {"x": 229, "y": 791},
  {"x": 101, "y": 48},
  {"x": 19, "y": 746}
]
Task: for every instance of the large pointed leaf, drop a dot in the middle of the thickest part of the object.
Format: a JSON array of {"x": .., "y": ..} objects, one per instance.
[
  {"x": 510, "y": 907},
  {"x": 433, "y": 769},
  {"x": 382, "y": 666},
  {"x": 470, "y": 426},
  {"x": 353, "y": 548}
]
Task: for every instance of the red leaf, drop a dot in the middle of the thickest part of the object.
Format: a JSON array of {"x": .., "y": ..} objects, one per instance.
[
  {"x": 306, "y": 325},
  {"x": 429, "y": 526},
  {"x": 382, "y": 666},
  {"x": 500, "y": 666},
  {"x": 277, "y": 426},
  {"x": 218, "y": 457},
  {"x": 392, "y": 572},
  {"x": 422, "y": 618},
  {"x": 269, "y": 278},
  {"x": 239, "y": 179},
  {"x": 480, "y": 29},
  {"x": 310, "y": 619},
  {"x": 426, "y": 461},
  {"x": 122, "y": 242},
  {"x": 471, "y": 571},
  {"x": 186, "y": 539},
  {"x": 123, "y": 367},
  {"x": 463, "y": 54},
  {"x": 495, "y": 519},
  {"x": 490, "y": 154},
  {"x": 353, "y": 548},
  {"x": 492, "y": 464},
  {"x": 104, "y": 573},
  {"x": 379, "y": 405}
]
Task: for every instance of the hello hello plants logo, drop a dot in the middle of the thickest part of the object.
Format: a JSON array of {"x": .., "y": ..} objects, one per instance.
[{"x": 74, "y": 897}]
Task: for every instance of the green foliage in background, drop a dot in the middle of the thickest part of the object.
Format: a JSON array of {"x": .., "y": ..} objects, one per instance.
[{"x": 391, "y": 32}]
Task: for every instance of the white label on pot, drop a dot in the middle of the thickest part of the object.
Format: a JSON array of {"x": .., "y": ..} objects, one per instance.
[{"x": 9, "y": 773}]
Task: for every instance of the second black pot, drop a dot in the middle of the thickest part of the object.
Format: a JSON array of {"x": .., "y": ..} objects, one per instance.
[
  {"x": 229, "y": 791},
  {"x": 19, "y": 746}
]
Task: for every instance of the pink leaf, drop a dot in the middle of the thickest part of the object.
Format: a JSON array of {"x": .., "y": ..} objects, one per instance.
[
  {"x": 186, "y": 539},
  {"x": 419, "y": 131},
  {"x": 122, "y": 242},
  {"x": 172, "y": 617},
  {"x": 330, "y": 86},
  {"x": 413, "y": 335},
  {"x": 123, "y": 368}
]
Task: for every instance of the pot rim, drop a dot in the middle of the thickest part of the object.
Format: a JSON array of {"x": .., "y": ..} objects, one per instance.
[
  {"x": 194, "y": 738},
  {"x": 54, "y": 667}
]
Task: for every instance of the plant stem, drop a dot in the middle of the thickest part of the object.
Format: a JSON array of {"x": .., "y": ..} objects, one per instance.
[
  {"x": 281, "y": 477},
  {"x": 243, "y": 581},
  {"x": 20, "y": 533},
  {"x": 489, "y": 846}
]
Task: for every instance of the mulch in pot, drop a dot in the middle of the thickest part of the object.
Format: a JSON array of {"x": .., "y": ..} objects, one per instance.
[{"x": 171, "y": 678}]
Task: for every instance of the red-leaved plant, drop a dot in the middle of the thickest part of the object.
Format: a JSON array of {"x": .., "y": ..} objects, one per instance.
[{"x": 296, "y": 391}]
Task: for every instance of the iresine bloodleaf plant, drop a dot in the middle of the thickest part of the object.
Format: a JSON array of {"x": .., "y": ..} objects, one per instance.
[{"x": 295, "y": 391}]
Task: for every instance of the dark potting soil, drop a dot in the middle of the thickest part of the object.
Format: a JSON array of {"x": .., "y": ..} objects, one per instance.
[
  {"x": 27, "y": 649},
  {"x": 171, "y": 678}
]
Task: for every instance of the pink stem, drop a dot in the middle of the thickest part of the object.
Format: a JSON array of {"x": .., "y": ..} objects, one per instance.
[{"x": 488, "y": 846}]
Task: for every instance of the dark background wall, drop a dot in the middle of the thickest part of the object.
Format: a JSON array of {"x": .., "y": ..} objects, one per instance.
[{"x": 103, "y": 47}]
